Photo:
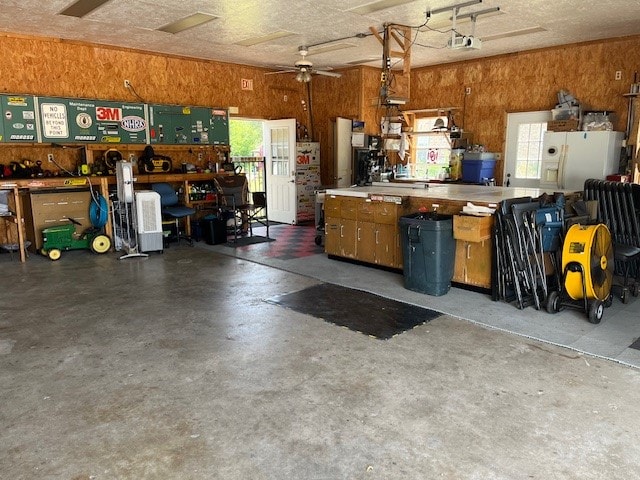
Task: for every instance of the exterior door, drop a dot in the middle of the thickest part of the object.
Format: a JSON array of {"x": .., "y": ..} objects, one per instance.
[
  {"x": 280, "y": 154},
  {"x": 523, "y": 149}
]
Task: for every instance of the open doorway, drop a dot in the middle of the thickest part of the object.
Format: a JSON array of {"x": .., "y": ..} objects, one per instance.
[{"x": 247, "y": 150}]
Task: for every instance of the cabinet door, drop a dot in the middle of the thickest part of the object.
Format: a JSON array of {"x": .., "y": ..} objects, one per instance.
[
  {"x": 386, "y": 245},
  {"x": 332, "y": 236},
  {"x": 366, "y": 238},
  {"x": 473, "y": 263},
  {"x": 348, "y": 238}
]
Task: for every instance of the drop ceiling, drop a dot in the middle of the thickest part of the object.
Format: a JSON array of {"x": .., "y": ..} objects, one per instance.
[{"x": 267, "y": 33}]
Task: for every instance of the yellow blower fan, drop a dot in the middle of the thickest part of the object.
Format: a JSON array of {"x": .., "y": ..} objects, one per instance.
[{"x": 587, "y": 263}]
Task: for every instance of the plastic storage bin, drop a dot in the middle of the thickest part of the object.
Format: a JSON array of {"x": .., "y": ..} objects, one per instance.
[
  {"x": 478, "y": 166},
  {"x": 428, "y": 252}
]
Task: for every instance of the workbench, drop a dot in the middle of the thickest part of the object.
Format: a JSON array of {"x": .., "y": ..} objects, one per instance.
[
  {"x": 37, "y": 198},
  {"x": 361, "y": 223}
]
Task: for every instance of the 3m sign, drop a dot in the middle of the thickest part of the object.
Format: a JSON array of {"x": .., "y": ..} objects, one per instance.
[{"x": 108, "y": 114}]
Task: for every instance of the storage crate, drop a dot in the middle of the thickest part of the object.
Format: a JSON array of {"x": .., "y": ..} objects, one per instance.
[
  {"x": 471, "y": 228},
  {"x": 562, "y": 125},
  {"x": 474, "y": 171}
]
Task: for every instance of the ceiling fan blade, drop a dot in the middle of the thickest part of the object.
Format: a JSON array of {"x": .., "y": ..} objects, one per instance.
[
  {"x": 278, "y": 72},
  {"x": 327, "y": 74}
]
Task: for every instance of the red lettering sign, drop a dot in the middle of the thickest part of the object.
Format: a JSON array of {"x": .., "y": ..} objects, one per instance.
[
  {"x": 108, "y": 114},
  {"x": 303, "y": 160}
]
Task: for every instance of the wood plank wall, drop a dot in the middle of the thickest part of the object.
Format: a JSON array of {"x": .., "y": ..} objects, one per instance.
[
  {"x": 523, "y": 81},
  {"x": 529, "y": 81}
]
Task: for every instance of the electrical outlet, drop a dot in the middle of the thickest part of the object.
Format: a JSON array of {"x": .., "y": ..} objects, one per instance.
[
  {"x": 50, "y": 157},
  {"x": 200, "y": 156},
  {"x": 618, "y": 74},
  {"x": 127, "y": 84}
]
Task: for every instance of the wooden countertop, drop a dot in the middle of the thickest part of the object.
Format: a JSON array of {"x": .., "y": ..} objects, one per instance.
[{"x": 477, "y": 194}]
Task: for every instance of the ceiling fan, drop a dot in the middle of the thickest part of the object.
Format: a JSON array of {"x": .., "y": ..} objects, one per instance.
[{"x": 304, "y": 68}]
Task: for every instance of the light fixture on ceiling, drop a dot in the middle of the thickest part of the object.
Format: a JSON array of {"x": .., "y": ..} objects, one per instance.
[
  {"x": 329, "y": 47},
  {"x": 264, "y": 38},
  {"x": 188, "y": 22},
  {"x": 303, "y": 76},
  {"x": 514, "y": 33},
  {"x": 80, "y": 8},
  {"x": 377, "y": 6}
]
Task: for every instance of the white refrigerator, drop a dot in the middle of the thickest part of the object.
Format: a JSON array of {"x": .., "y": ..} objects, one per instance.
[
  {"x": 570, "y": 158},
  {"x": 307, "y": 180}
]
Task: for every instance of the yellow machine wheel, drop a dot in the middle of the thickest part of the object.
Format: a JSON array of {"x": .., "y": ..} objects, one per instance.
[
  {"x": 100, "y": 244},
  {"x": 54, "y": 254},
  {"x": 588, "y": 249}
]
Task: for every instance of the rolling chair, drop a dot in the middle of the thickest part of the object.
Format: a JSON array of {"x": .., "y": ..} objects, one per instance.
[
  {"x": 233, "y": 202},
  {"x": 170, "y": 207}
]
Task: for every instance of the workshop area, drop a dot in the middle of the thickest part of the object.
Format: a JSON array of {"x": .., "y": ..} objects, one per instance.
[{"x": 350, "y": 240}]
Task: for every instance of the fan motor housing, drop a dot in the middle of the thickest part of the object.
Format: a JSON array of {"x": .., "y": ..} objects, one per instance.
[{"x": 587, "y": 257}]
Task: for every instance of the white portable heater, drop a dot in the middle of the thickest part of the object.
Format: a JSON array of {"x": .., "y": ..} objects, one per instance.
[{"x": 149, "y": 221}]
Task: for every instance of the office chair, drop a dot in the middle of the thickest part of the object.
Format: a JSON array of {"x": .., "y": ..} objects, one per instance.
[
  {"x": 170, "y": 207},
  {"x": 233, "y": 202}
]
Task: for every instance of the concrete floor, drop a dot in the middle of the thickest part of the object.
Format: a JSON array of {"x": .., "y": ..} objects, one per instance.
[{"x": 174, "y": 367}]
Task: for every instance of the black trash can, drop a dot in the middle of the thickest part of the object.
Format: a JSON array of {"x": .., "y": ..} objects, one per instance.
[
  {"x": 428, "y": 252},
  {"x": 214, "y": 230}
]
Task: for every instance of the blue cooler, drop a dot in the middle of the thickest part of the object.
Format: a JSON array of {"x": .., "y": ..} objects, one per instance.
[{"x": 478, "y": 166}]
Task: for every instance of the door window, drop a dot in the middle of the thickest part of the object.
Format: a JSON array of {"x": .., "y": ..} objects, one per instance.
[{"x": 280, "y": 151}]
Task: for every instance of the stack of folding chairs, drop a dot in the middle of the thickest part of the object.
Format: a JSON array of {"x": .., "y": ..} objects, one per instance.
[{"x": 528, "y": 237}]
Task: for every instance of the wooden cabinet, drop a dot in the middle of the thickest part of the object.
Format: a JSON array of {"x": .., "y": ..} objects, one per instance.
[
  {"x": 474, "y": 250},
  {"x": 364, "y": 230},
  {"x": 12, "y": 216},
  {"x": 49, "y": 208},
  {"x": 473, "y": 263}
]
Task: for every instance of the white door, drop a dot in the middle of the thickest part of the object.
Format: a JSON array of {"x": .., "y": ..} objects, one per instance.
[
  {"x": 342, "y": 153},
  {"x": 280, "y": 154},
  {"x": 523, "y": 148}
]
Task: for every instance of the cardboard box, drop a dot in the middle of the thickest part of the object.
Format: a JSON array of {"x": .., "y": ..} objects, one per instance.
[
  {"x": 471, "y": 228},
  {"x": 562, "y": 125}
]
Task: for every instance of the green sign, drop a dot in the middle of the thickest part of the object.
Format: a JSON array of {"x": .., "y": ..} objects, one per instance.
[
  {"x": 18, "y": 119},
  {"x": 176, "y": 125},
  {"x": 91, "y": 121},
  {"x": 219, "y": 126}
]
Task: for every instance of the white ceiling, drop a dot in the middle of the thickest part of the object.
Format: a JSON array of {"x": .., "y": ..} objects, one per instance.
[{"x": 134, "y": 24}]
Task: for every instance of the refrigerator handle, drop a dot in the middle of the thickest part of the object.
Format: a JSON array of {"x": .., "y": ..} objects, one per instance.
[{"x": 563, "y": 155}]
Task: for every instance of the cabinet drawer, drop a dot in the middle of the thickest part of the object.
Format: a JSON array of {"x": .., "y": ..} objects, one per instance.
[
  {"x": 386, "y": 213},
  {"x": 349, "y": 208},
  {"x": 471, "y": 228},
  {"x": 366, "y": 211}
]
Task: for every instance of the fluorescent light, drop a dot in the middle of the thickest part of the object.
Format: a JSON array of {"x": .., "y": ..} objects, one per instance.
[
  {"x": 328, "y": 48},
  {"x": 366, "y": 60},
  {"x": 377, "y": 6},
  {"x": 80, "y": 8},
  {"x": 264, "y": 38},
  {"x": 514, "y": 33},
  {"x": 187, "y": 22}
]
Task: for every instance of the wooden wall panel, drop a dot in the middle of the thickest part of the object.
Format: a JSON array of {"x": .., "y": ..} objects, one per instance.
[
  {"x": 523, "y": 81},
  {"x": 331, "y": 98},
  {"x": 528, "y": 81}
]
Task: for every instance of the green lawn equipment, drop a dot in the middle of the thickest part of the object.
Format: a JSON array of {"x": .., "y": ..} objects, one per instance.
[{"x": 65, "y": 237}]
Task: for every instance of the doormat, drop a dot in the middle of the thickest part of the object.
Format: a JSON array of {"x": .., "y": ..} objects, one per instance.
[
  {"x": 244, "y": 241},
  {"x": 359, "y": 311},
  {"x": 635, "y": 345}
]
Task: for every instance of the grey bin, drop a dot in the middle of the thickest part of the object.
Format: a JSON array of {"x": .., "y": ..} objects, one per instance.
[{"x": 428, "y": 252}]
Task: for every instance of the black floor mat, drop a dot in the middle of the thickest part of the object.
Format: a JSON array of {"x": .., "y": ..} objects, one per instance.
[
  {"x": 635, "y": 345},
  {"x": 363, "y": 312}
]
